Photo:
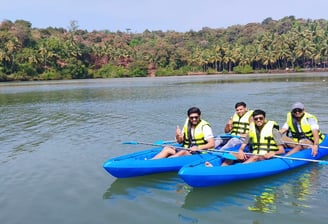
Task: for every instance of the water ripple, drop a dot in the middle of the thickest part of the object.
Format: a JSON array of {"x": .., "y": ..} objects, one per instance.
[{"x": 55, "y": 136}]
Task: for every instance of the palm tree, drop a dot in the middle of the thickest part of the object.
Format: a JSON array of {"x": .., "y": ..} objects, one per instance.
[
  {"x": 11, "y": 48},
  {"x": 217, "y": 55},
  {"x": 4, "y": 58},
  {"x": 255, "y": 52},
  {"x": 45, "y": 54},
  {"x": 282, "y": 50},
  {"x": 304, "y": 50},
  {"x": 195, "y": 58},
  {"x": 243, "y": 55},
  {"x": 269, "y": 57},
  {"x": 230, "y": 56},
  {"x": 324, "y": 52}
]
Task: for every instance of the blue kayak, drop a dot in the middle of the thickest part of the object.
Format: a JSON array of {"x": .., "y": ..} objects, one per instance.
[
  {"x": 196, "y": 174},
  {"x": 140, "y": 163}
]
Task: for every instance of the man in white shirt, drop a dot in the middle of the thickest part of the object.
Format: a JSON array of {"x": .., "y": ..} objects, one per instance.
[
  {"x": 196, "y": 135},
  {"x": 304, "y": 129}
]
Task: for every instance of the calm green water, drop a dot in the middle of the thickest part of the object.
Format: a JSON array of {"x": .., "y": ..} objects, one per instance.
[{"x": 55, "y": 137}]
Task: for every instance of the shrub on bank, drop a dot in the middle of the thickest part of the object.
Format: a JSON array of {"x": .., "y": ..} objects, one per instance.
[
  {"x": 110, "y": 71},
  {"x": 169, "y": 71},
  {"x": 50, "y": 75},
  {"x": 246, "y": 69}
]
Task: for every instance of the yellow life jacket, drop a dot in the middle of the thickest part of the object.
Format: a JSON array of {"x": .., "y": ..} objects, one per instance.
[
  {"x": 265, "y": 142},
  {"x": 240, "y": 125},
  {"x": 305, "y": 127},
  {"x": 198, "y": 137}
]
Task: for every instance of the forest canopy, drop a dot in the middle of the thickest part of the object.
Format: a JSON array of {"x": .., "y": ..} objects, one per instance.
[{"x": 28, "y": 53}]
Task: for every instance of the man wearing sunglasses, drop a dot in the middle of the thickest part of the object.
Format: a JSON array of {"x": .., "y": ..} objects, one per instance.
[
  {"x": 304, "y": 129},
  {"x": 195, "y": 136},
  {"x": 264, "y": 140}
]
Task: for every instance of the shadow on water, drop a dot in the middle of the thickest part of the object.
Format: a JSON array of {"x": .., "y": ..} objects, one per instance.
[
  {"x": 204, "y": 199},
  {"x": 263, "y": 195},
  {"x": 131, "y": 188}
]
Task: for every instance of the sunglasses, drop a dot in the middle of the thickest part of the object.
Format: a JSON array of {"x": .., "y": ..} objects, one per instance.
[
  {"x": 258, "y": 118},
  {"x": 194, "y": 118},
  {"x": 297, "y": 110}
]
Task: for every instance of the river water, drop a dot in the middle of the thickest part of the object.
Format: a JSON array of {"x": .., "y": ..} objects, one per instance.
[{"x": 56, "y": 135}]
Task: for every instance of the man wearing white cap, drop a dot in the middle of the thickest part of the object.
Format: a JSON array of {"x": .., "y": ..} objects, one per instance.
[{"x": 304, "y": 129}]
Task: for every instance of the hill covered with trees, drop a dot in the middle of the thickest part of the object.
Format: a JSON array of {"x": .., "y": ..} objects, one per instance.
[{"x": 28, "y": 53}]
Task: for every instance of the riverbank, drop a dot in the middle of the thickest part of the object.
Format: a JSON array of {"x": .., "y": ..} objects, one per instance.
[
  {"x": 299, "y": 73},
  {"x": 275, "y": 71}
]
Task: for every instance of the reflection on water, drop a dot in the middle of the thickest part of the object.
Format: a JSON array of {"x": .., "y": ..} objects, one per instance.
[
  {"x": 265, "y": 202},
  {"x": 294, "y": 193},
  {"x": 131, "y": 188},
  {"x": 141, "y": 188},
  {"x": 213, "y": 198},
  {"x": 265, "y": 195}
]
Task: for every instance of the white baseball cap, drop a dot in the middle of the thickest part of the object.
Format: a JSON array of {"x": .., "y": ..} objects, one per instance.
[{"x": 298, "y": 105}]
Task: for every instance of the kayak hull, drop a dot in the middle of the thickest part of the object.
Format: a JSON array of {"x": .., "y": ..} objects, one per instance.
[
  {"x": 141, "y": 164},
  {"x": 196, "y": 174}
]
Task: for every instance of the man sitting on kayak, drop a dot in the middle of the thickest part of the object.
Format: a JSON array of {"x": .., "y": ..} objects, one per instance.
[
  {"x": 197, "y": 135},
  {"x": 304, "y": 129},
  {"x": 237, "y": 126},
  {"x": 264, "y": 138}
]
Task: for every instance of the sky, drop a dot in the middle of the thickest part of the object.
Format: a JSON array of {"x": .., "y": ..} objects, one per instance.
[{"x": 166, "y": 15}]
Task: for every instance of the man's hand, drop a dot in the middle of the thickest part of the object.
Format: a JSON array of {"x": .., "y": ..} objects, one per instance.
[
  {"x": 314, "y": 150},
  {"x": 178, "y": 134}
]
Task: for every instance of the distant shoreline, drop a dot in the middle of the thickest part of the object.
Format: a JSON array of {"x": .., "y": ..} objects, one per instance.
[
  {"x": 281, "y": 71},
  {"x": 225, "y": 77}
]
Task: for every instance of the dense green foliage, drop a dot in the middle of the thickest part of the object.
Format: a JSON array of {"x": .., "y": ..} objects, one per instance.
[{"x": 28, "y": 53}]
